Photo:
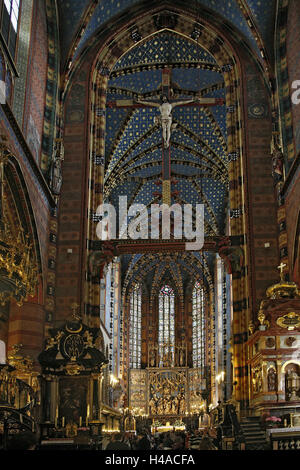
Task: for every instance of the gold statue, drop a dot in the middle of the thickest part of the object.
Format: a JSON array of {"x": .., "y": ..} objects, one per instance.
[
  {"x": 251, "y": 327},
  {"x": 261, "y": 317},
  {"x": 71, "y": 430}
]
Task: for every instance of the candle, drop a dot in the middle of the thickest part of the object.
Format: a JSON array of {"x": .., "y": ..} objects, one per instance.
[
  {"x": 80, "y": 421},
  {"x": 63, "y": 422}
]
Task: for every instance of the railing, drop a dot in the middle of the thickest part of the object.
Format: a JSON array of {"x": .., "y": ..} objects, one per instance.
[
  {"x": 285, "y": 438},
  {"x": 17, "y": 402},
  {"x": 15, "y": 393}
]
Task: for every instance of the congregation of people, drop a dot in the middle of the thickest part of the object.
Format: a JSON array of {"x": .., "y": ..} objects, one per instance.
[{"x": 203, "y": 439}]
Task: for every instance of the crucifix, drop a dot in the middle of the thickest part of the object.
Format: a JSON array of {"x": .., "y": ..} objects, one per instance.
[
  {"x": 281, "y": 268},
  {"x": 165, "y": 121}
]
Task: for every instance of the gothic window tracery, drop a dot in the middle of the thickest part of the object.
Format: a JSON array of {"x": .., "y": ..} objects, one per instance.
[
  {"x": 9, "y": 23},
  {"x": 166, "y": 326},
  {"x": 135, "y": 330},
  {"x": 198, "y": 317}
]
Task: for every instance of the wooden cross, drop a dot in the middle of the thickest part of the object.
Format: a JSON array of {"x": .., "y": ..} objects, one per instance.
[
  {"x": 281, "y": 268},
  {"x": 166, "y": 149}
]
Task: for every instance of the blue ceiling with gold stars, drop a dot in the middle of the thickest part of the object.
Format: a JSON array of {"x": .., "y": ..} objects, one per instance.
[
  {"x": 133, "y": 148},
  {"x": 262, "y": 12}
]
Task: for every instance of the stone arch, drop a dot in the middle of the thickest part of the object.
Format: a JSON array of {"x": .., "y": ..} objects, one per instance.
[
  {"x": 23, "y": 322},
  {"x": 296, "y": 253},
  {"x": 99, "y": 62},
  {"x": 19, "y": 201},
  {"x": 226, "y": 58}
]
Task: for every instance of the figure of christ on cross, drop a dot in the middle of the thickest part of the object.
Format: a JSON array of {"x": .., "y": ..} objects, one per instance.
[{"x": 165, "y": 118}]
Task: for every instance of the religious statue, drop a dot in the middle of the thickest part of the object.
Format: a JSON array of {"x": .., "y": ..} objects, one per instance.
[
  {"x": 166, "y": 359},
  {"x": 277, "y": 161},
  {"x": 160, "y": 407},
  {"x": 233, "y": 256},
  {"x": 98, "y": 259},
  {"x": 181, "y": 357},
  {"x": 272, "y": 380},
  {"x": 182, "y": 405},
  {"x": 75, "y": 315},
  {"x": 257, "y": 381},
  {"x": 152, "y": 357},
  {"x": 292, "y": 380},
  {"x": 56, "y": 177},
  {"x": 165, "y": 118},
  {"x": 175, "y": 405},
  {"x": 55, "y": 169},
  {"x": 152, "y": 406},
  {"x": 71, "y": 430}
]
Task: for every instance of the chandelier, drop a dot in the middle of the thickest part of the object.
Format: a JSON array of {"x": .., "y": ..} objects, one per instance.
[{"x": 18, "y": 270}]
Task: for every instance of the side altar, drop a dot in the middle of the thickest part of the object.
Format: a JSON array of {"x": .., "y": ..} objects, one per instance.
[
  {"x": 273, "y": 354},
  {"x": 72, "y": 362}
]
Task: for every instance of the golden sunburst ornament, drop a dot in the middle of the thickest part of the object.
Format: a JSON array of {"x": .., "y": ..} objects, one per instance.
[{"x": 290, "y": 321}]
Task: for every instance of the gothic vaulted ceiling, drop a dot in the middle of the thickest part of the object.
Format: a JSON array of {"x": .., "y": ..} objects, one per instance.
[
  {"x": 81, "y": 19},
  {"x": 133, "y": 148}
]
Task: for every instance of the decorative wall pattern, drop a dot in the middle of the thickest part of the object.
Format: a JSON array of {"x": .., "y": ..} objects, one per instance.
[{"x": 22, "y": 59}]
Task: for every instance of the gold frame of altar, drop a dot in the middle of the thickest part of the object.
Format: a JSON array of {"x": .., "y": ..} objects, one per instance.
[
  {"x": 58, "y": 414},
  {"x": 172, "y": 392}
]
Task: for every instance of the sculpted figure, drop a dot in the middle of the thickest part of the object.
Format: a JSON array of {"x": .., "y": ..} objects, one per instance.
[{"x": 165, "y": 118}]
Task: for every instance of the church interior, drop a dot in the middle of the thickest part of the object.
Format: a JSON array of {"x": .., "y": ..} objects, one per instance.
[{"x": 122, "y": 106}]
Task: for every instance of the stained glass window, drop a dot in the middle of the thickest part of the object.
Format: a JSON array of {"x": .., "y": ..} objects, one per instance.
[
  {"x": 9, "y": 23},
  {"x": 198, "y": 327},
  {"x": 135, "y": 328},
  {"x": 2, "y": 353},
  {"x": 166, "y": 326}
]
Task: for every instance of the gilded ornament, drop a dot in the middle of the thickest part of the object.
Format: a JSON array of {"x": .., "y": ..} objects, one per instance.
[
  {"x": 18, "y": 361},
  {"x": 251, "y": 327},
  {"x": 290, "y": 321},
  {"x": 261, "y": 317},
  {"x": 73, "y": 369},
  {"x": 283, "y": 289}
]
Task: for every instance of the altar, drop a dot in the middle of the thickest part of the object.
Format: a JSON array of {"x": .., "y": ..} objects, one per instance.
[
  {"x": 166, "y": 393},
  {"x": 157, "y": 427}
]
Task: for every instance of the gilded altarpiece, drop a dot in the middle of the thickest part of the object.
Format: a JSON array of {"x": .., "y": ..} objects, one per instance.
[
  {"x": 138, "y": 390},
  {"x": 166, "y": 392}
]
